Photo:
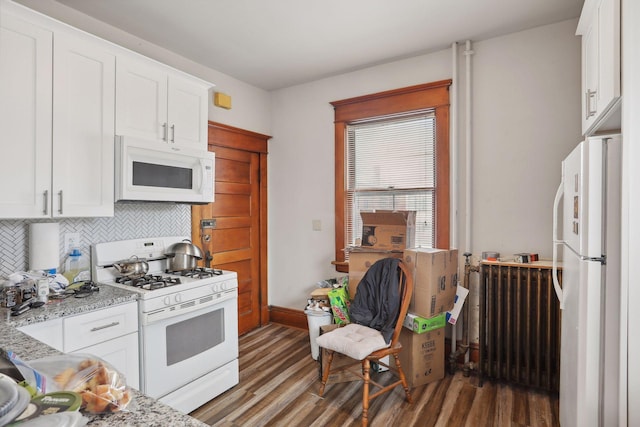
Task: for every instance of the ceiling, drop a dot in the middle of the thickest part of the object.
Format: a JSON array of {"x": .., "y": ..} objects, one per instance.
[{"x": 279, "y": 43}]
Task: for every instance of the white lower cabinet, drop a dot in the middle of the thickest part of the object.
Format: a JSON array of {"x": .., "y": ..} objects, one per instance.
[
  {"x": 49, "y": 332},
  {"x": 110, "y": 333},
  {"x": 122, "y": 354}
]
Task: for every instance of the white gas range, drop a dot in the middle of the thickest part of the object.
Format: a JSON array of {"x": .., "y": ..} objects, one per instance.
[{"x": 188, "y": 322}]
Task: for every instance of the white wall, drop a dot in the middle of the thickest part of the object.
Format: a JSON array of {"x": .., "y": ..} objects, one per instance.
[
  {"x": 526, "y": 119},
  {"x": 526, "y": 115},
  {"x": 301, "y": 170},
  {"x": 250, "y": 104}
]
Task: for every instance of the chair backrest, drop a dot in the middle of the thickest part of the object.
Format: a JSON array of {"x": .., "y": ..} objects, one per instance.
[{"x": 405, "y": 290}]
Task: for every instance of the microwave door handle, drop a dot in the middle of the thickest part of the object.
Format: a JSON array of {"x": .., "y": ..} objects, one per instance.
[{"x": 202, "y": 175}]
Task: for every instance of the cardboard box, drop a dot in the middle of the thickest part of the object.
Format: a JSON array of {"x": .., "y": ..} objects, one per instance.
[
  {"x": 435, "y": 280},
  {"x": 422, "y": 356},
  {"x": 359, "y": 262},
  {"x": 388, "y": 230},
  {"x": 420, "y": 325}
]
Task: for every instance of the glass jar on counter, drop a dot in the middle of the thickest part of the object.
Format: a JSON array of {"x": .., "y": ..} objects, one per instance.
[
  {"x": 11, "y": 295},
  {"x": 27, "y": 290}
]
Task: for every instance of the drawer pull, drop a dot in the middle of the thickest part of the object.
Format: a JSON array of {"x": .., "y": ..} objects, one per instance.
[{"x": 110, "y": 325}]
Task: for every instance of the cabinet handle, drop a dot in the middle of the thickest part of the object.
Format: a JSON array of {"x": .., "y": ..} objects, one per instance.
[
  {"x": 164, "y": 132},
  {"x": 60, "y": 200},
  {"x": 45, "y": 197},
  {"x": 110, "y": 325},
  {"x": 590, "y": 94},
  {"x": 173, "y": 133}
]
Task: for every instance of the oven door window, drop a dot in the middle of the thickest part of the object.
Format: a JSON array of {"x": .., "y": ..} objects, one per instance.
[{"x": 193, "y": 336}]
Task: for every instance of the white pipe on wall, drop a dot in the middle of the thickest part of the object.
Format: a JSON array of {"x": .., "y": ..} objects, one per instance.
[
  {"x": 453, "y": 173},
  {"x": 468, "y": 52}
]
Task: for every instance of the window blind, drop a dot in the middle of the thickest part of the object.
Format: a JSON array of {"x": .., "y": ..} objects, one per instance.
[{"x": 391, "y": 165}]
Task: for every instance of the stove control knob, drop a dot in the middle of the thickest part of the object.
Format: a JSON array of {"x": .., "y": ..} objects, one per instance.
[
  {"x": 167, "y": 300},
  {"x": 178, "y": 298},
  {"x": 223, "y": 285}
]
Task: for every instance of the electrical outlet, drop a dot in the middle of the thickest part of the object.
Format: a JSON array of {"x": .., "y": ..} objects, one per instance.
[
  {"x": 316, "y": 225},
  {"x": 71, "y": 240}
]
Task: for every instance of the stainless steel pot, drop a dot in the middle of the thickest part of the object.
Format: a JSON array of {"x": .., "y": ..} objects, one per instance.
[
  {"x": 133, "y": 267},
  {"x": 183, "y": 256}
]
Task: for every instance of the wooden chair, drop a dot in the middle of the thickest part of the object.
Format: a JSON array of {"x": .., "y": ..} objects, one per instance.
[{"x": 356, "y": 344}]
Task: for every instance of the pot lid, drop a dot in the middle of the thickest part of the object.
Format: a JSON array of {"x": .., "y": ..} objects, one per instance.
[{"x": 185, "y": 247}]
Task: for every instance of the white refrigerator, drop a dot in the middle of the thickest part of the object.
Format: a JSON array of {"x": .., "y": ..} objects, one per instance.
[{"x": 587, "y": 241}]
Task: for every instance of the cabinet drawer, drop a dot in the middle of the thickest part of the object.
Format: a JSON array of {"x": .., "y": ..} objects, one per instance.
[{"x": 99, "y": 326}]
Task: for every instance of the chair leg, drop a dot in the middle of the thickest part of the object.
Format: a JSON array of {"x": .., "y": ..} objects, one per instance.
[
  {"x": 405, "y": 385},
  {"x": 366, "y": 368},
  {"x": 325, "y": 373}
]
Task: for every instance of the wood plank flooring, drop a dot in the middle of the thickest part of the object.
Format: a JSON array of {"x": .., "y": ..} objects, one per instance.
[{"x": 279, "y": 385}]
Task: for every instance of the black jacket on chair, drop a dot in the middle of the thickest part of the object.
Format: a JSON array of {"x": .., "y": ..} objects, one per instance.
[{"x": 377, "y": 300}]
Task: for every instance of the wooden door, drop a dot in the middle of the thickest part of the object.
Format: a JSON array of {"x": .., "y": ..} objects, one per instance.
[{"x": 237, "y": 241}]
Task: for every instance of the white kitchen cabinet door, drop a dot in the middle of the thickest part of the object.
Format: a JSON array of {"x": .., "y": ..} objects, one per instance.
[
  {"x": 154, "y": 104},
  {"x": 188, "y": 113},
  {"x": 49, "y": 332},
  {"x": 25, "y": 118},
  {"x": 599, "y": 27},
  {"x": 84, "y": 128},
  {"x": 121, "y": 353},
  {"x": 141, "y": 100}
]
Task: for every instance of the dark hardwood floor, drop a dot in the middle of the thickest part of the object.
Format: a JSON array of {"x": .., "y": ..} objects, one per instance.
[{"x": 279, "y": 385}]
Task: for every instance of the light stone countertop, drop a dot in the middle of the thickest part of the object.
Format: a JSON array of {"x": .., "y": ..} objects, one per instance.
[{"x": 149, "y": 412}]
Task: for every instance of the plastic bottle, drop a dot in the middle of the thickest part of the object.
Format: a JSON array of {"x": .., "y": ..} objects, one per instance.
[{"x": 74, "y": 265}]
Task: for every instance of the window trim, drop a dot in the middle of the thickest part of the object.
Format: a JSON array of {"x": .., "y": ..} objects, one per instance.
[{"x": 419, "y": 97}]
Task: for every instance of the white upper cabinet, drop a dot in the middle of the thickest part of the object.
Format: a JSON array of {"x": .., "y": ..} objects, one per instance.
[
  {"x": 599, "y": 27},
  {"x": 25, "y": 118},
  {"x": 64, "y": 95},
  {"x": 157, "y": 104},
  {"x": 57, "y": 115},
  {"x": 84, "y": 124}
]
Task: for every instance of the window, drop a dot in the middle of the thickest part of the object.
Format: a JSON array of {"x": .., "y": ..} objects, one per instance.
[
  {"x": 391, "y": 165},
  {"x": 392, "y": 152}
]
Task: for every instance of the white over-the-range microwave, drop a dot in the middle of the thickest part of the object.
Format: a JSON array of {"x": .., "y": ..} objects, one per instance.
[{"x": 152, "y": 171}]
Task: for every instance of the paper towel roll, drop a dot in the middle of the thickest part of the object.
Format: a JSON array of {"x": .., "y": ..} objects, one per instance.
[{"x": 44, "y": 246}]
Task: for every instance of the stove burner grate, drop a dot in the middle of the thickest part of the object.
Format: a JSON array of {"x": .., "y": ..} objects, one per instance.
[
  {"x": 149, "y": 281},
  {"x": 197, "y": 273}
]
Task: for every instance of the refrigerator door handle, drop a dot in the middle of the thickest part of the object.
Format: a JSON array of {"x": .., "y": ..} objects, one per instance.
[{"x": 557, "y": 242}]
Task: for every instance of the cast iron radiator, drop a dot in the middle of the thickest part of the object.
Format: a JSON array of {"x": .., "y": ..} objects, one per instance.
[{"x": 519, "y": 324}]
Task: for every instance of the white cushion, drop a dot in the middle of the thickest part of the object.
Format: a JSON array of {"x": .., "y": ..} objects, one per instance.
[{"x": 355, "y": 341}]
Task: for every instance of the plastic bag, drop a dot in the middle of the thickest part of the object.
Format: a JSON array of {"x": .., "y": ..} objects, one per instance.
[
  {"x": 103, "y": 389},
  {"x": 335, "y": 282},
  {"x": 339, "y": 300}
]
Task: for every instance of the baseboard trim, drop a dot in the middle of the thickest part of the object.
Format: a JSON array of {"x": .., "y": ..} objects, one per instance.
[{"x": 288, "y": 317}]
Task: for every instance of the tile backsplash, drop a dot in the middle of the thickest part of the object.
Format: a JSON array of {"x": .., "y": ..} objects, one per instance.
[{"x": 131, "y": 221}]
